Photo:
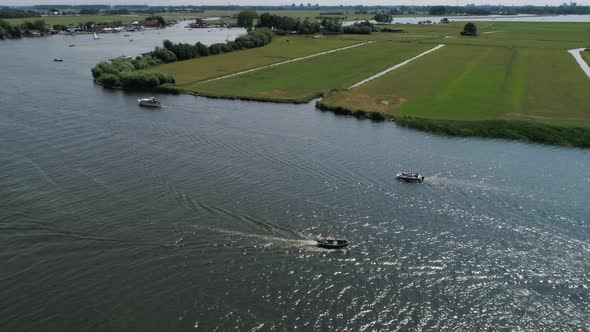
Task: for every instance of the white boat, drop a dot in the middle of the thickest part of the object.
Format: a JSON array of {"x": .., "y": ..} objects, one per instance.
[
  {"x": 96, "y": 36},
  {"x": 410, "y": 177},
  {"x": 149, "y": 102}
]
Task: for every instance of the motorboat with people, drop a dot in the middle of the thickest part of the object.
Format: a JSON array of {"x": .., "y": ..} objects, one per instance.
[
  {"x": 149, "y": 102},
  {"x": 58, "y": 60},
  {"x": 332, "y": 243},
  {"x": 410, "y": 177}
]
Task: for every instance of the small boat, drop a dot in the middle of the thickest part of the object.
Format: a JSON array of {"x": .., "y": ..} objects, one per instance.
[
  {"x": 332, "y": 243},
  {"x": 58, "y": 60},
  {"x": 149, "y": 102},
  {"x": 96, "y": 36},
  {"x": 410, "y": 177},
  {"x": 72, "y": 45},
  {"x": 126, "y": 35}
]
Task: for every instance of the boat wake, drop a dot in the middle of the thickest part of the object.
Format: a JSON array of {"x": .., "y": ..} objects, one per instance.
[
  {"x": 267, "y": 241},
  {"x": 460, "y": 183}
]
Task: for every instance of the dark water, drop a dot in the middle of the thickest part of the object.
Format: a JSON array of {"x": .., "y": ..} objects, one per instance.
[{"x": 200, "y": 216}]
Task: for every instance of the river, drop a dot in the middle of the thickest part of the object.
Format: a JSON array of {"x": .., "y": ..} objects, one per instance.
[
  {"x": 201, "y": 216},
  {"x": 488, "y": 18}
]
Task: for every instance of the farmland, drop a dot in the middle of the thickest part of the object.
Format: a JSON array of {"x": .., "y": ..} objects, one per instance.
[
  {"x": 281, "y": 49},
  {"x": 303, "y": 81},
  {"x": 514, "y": 76},
  {"x": 479, "y": 83}
]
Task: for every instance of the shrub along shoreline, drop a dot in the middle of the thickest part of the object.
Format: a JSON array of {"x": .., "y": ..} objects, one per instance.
[
  {"x": 128, "y": 74},
  {"x": 526, "y": 131}
]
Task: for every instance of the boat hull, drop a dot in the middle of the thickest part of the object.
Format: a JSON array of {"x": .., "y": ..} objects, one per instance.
[
  {"x": 405, "y": 178},
  {"x": 148, "y": 104},
  {"x": 332, "y": 245}
]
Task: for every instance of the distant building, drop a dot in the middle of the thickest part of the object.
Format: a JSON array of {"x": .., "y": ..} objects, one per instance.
[
  {"x": 199, "y": 24},
  {"x": 152, "y": 23},
  {"x": 49, "y": 28}
]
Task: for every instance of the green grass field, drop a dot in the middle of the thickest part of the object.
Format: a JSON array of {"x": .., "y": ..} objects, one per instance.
[
  {"x": 519, "y": 77},
  {"x": 281, "y": 49},
  {"x": 304, "y": 80},
  {"x": 522, "y": 72},
  {"x": 586, "y": 56},
  {"x": 511, "y": 76},
  {"x": 480, "y": 83}
]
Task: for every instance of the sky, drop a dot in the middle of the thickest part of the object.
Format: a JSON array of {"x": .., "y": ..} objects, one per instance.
[{"x": 284, "y": 2}]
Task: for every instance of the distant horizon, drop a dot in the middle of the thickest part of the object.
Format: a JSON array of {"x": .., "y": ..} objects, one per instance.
[{"x": 18, "y": 3}]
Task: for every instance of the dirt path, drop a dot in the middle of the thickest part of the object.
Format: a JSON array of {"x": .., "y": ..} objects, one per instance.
[
  {"x": 576, "y": 54},
  {"x": 285, "y": 62},
  {"x": 396, "y": 66}
]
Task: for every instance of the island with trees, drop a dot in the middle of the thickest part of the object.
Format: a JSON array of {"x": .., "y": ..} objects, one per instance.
[{"x": 130, "y": 74}]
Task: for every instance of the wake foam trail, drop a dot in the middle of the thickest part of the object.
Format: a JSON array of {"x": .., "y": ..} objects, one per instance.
[
  {"x": 460, "y": 183},
  {"x": 268, "y": 240}
]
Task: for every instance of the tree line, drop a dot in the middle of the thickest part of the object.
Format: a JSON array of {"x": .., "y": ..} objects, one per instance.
[
  {"x": 16, "y": 13},
  {"x": 171, "y": 52},
  {"x": 282, "y": 25},
  {"x": 360, "y": 28},
  {"x": 129, "y": 73},
  {"x": 7, "y": 31}
]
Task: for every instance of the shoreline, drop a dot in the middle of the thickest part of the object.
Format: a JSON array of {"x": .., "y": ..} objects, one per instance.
[{"x": 513, "y": 130}]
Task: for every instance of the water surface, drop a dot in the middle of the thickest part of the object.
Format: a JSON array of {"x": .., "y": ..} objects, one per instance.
[
  {"x": 201, "y": 216},
  {"x": 490, "y": 18}
]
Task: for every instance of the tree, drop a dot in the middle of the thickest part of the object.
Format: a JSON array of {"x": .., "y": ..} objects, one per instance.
[
  {"x": 164, "y": 54},
  {"x": 86, "y": 11},
  {"x": 37, "y": 25},
  {"x": 8, "y": 31},
  {"x": 161, "y": 21},
  {"x": 246, "y": 18},
  {"x": 334, "y": 26},
  {"x": 383, "y": 17},
  {"x": 109, "y": 80},
  {"x": 437, "y": 10},
  {"x": 469, "y": 30}
]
